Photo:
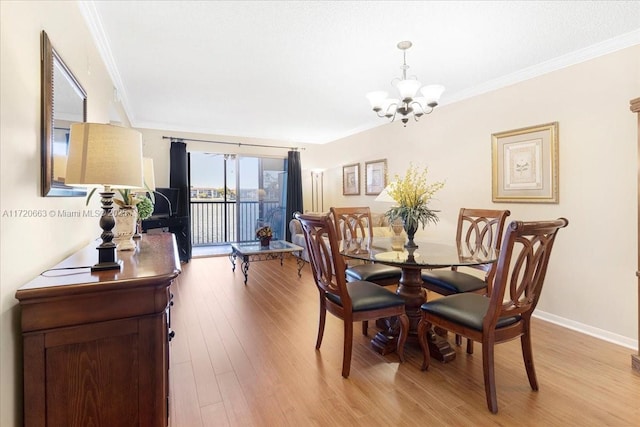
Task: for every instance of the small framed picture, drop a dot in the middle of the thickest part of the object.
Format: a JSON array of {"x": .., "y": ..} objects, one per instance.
[
  {"x": 525, "y": 164},
  {"x": 375, "y": 173},
  {"x": 351, "y": 180}
]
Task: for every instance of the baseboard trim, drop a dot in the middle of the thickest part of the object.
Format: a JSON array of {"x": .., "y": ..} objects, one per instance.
[{"x": 588, "y": 330}]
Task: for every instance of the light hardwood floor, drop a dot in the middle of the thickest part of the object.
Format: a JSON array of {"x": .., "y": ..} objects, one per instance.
[{"x": 245, "y": 356}]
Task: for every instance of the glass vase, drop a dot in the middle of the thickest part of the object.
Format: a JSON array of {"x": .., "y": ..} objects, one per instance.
[{"x": 410, "y": 227}]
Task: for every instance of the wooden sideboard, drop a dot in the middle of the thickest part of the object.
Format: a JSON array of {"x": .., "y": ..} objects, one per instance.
[
  {"x": 635, "y": 358},
  {"x": 95, "y": 344}
]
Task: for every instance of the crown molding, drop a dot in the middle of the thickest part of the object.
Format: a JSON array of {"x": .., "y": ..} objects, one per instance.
[
  {"x": 92, "y": 18},
  {"x": 582, "y": 55}
]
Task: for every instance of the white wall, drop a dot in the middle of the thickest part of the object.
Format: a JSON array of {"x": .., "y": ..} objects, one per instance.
[
  {"x": 591, "y": 282},
  {"x": 31, "y": 245}
]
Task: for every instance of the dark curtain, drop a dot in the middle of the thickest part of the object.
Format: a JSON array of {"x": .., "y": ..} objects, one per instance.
[
  {"x": 179, "y": 178},
  {"x": 294, "y": 187}
]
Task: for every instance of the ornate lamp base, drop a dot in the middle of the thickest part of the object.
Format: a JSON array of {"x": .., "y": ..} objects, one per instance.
[{"x": 107, "y": 249}]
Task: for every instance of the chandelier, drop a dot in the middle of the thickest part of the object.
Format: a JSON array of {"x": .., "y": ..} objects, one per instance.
[{"x": 408, "y": 104}]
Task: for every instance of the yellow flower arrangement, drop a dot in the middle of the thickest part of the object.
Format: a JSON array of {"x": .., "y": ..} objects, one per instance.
[
  {"x": 264, "y": 232},
  {"x": 412, "y": 194}
]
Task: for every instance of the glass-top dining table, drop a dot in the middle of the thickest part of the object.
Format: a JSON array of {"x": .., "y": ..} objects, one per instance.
[{"x": 426, "y": 255}]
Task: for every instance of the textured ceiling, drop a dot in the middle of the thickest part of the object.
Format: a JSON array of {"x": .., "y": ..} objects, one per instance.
[{"x": 299, "y": 70}]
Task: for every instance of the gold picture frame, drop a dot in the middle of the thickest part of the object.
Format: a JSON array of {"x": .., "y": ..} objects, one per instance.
[
  {"x": 525, "y": 165},
  {"x": 351, "y": 180},
  {"x": 375, "y": 177}
]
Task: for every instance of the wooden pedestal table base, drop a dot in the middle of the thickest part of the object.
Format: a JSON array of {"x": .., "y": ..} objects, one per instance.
[{"x": 414, "y": 295}]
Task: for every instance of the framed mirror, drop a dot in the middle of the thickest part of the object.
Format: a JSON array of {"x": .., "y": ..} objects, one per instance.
[{"x": 64, "y": 101}]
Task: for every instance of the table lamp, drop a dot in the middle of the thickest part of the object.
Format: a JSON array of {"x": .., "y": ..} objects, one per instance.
[
  {"x": 150, "y": 183},
  {"x": 102, "y": 155},
  {"x": 384, "y": 195},
  {"x": 397, "y": 241},
  {"x": 149, "y": 187},
  {"x": 148, "y": 178},
  {"x": 148, "y": 175}
]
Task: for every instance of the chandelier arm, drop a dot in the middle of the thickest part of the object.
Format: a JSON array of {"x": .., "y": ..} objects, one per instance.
[
  {"x": 424, "y": 111},
  {"x": 395, "y": 110},
  {"x": 391, "y": 119}
]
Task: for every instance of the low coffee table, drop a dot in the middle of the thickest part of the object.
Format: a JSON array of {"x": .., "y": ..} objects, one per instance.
[{"x": 252, "y": 251}]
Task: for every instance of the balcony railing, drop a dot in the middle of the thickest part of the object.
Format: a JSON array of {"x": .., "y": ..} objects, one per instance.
[{"x": 214, "y": 222}]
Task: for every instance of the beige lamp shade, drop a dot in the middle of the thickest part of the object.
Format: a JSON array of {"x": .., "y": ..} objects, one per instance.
[
  {"x": 101, "y": 155},
  {"x": 384, "y": 196},
  {"x": 149, "y": 176},
  {"x": 59, "y": 167}
]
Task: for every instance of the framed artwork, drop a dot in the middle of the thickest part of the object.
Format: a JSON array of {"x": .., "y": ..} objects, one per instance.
[
  {"x": 375, "y": 177},
  {"x": 525, "y": 164},
  {"x": 351, "y": 180}
]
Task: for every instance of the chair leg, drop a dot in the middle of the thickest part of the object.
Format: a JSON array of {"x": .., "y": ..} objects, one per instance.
[
  {"x": 323, "y": 318},
  {"x": 489, "y": 376},
  {"x": 469, "y": 346},
  {"x": 348, "y": 344},
  {"x": 423, "y": 329},
  {"x": 404, "y": 332},
  {"x": 458, "y": 339},
  {"x": 365, "y": 327},
  {"x": 527, "y": 355}
]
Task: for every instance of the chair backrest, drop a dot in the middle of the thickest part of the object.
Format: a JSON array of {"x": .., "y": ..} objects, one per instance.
[
  {"x": 521, "y": 270},
  {"x": 481, "y": 228},
  {"x": 352, "y": 222},
  {"x": 324, "y": 256}
]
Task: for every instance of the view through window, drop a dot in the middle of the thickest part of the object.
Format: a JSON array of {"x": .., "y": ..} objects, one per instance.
[{"x": 232, "y": 196}]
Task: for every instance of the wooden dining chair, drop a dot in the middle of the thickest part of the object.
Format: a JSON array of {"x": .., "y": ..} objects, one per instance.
[
  {"x": 350, "y": 301},
  {"x": 522, "y": 266},
  {"x": 353, "y": 223},
  {"x": 477, "y": 228}
]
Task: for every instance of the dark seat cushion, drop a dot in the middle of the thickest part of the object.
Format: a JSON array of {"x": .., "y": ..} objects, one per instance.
[
  {"x": 373, "y": 272},
  {"x": 465, "y": 309},
  {"x": 368, "y": 296},
  {"x": 452, "y": 282}
]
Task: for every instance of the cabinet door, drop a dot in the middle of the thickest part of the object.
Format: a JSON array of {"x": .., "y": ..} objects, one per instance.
[
  {"x": 103, "y": 374},
  {"x": 94, "y": 382}
]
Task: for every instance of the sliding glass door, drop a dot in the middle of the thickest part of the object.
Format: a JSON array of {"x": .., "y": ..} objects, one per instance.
[
  {"x": 262, "y": 196},
  {"x": 231, "y": 196},
  {"x": 213, "y": 198}
]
